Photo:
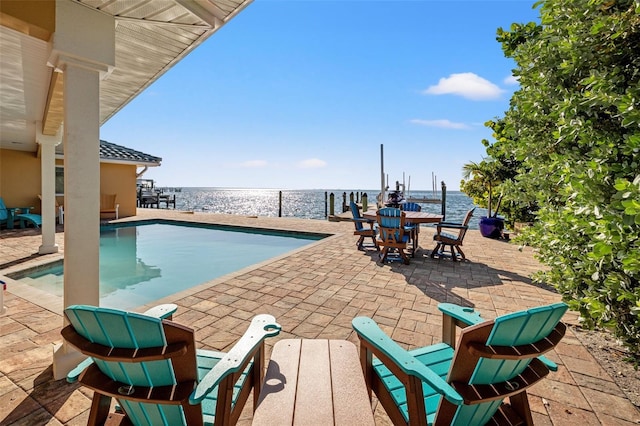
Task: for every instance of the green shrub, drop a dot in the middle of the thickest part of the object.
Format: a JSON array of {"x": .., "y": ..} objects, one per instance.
[{"x": 574, "y": 129}]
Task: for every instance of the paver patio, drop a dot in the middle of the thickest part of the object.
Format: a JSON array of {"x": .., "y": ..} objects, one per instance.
[{"x": 314, "y": 292}]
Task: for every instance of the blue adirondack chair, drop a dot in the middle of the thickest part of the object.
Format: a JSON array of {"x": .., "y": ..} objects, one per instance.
[
  {"x": 413, "y": 227},
  {"x": 153, "y": 369},
  {"x": 9, "y": 215},
  {"x": 464, "y": 383},
  {"x": 363, "y": 231},
  {"x": 393, "y": 233}
]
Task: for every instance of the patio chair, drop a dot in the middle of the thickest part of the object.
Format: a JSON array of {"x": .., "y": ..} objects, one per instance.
[
  {"x": 153, "y": 369},
  {"x": 464, "y": 383},
  {"x": 392, "y": 233},
  {"x": 8, "y": 216},
  {"x": 361, "y": 230},
  {"x": 453, "y": 241},
  {"x": 413, "y": 227},
  {"x": 108, "y": 204}
]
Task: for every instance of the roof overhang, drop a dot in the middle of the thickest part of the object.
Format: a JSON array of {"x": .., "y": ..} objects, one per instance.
[{"x": 150, "y": 38}]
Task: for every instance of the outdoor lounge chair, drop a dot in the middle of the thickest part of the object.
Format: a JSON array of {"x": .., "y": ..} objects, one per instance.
[
  {"x": 108, "y": 204},
  {"x": 361, "y": 230},
  {"x": 153, "y": 369},
  {"x": 463, "y": 383},
  {"x": 453, "y": 241},
  {"x": 392, "y": 233},
  {"x": 8, "y": 216}
]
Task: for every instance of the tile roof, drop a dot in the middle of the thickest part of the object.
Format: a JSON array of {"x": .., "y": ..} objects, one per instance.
[{"x": 111, "y": 151}]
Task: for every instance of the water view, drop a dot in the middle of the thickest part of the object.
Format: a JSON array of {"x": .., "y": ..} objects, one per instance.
[{"x": 307, "y": 204}]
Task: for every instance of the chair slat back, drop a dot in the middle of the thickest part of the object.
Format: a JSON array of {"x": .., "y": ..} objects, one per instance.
[
  {"x": 467, "y": 217},
  {"x": 120, "y": 329},
  {"x": 518, "y": 328},
  {"x": 107, "y": 201},
  {"x": 355, "y": 212},
  {"x": 142, "y": 413},
  {"x": 515, "y": 329},
  {"x": 391, "y": 222},
  {"x": 465, "y": 223},
  {"x": 411, "y": 207}
]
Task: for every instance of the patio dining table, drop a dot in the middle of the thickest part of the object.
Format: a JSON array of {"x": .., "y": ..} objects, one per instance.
[{"x": 412, "y": 217}]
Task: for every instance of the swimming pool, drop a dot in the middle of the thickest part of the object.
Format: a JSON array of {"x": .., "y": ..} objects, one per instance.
[{"x": 145, "y": 261}]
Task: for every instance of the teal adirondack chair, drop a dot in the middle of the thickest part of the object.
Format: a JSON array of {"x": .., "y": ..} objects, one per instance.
[
  {"x": 9, "y": 215},
  {"x": 464, "y": 383},
  {"x": 393, "y": 234},
  {"x": 153, "y": 369},
  {"x": 361, "y": 230}
]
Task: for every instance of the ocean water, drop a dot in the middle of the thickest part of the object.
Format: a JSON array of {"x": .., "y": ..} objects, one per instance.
[{"x": 307, "y": 204}]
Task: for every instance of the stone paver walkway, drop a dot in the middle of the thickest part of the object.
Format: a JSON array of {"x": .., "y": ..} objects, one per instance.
[{"x": 314, "y": 292}]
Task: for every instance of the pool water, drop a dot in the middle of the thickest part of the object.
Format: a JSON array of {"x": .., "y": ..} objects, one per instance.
[{"x": 143, "y": 263}]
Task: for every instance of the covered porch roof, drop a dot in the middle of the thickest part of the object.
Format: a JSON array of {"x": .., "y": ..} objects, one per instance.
[
  {"x": 150, "y": 38},
  {"x": 66, "y": 67}
]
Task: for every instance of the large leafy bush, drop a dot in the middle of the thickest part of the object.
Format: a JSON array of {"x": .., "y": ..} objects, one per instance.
[{"x": 574, "y": 129}]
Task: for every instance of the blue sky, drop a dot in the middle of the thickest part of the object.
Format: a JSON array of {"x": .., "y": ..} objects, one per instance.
[{"x": 294, "y": 94}]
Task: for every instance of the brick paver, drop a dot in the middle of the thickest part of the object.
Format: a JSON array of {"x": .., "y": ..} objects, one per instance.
[{"x": 314, "y": 292}]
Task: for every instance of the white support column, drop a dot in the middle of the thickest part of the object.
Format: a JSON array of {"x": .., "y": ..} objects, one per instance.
[
  {"x": 84, "y": 50},
  {"x": 48, "y": 189}
]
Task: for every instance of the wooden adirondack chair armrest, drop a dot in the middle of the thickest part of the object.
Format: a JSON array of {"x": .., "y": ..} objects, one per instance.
[
  {"x": 443, "y": 225},
  {"x": 99, "y": 351},
  {"x": 74, "y": 374},
  {"x": 20, "y": 210},
  {"x": 396, "y": 358},
  {"x": 164, "y": 311},
  {"x": 456, "y": 316},
  {"x": 464, "y": 314},
  {"x": 550, "y": 364},
  {"x": 261, "y": 327},
  {"x": 363, "y": 220},
  {"x": 369, "y": 222}
]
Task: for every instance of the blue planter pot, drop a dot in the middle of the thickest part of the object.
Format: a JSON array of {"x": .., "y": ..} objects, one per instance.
[{"x": 491, "y": 227}]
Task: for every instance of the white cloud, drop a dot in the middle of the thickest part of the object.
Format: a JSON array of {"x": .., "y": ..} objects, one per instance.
[
  {"x": 468, "y": 85},
  {"x": 511, "y": 80},
  {"x": 442, "y": 123},
  {"x": 254, "y": 164},
  {"x": 312, "y": 163}
]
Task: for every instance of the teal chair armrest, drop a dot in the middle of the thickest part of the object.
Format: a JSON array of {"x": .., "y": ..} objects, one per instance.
[
  {"x": 21, "y": 210},
  {"x": 165, "y": 311},
  {"x": 261, "y": 327},
  {"x": 369, "y": 331},
  {"x": 550, "y": 364},
  {"x": 74, "y": 374},
  {"x": 463, "y": 314}
]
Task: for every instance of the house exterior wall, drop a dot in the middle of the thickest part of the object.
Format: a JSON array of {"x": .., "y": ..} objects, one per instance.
[
  {"x": 20, "y": 181},
  {"x": 120, "y": 179}
]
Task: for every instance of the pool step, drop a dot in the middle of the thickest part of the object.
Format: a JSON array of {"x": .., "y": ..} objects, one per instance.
[{"x": 51, "y": 282}]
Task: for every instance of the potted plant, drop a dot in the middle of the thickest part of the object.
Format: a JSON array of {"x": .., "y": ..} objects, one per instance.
[{"x": 481, "y": 181}]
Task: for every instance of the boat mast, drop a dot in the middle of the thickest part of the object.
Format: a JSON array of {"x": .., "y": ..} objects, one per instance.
[{"x": 382, "y": 187}]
